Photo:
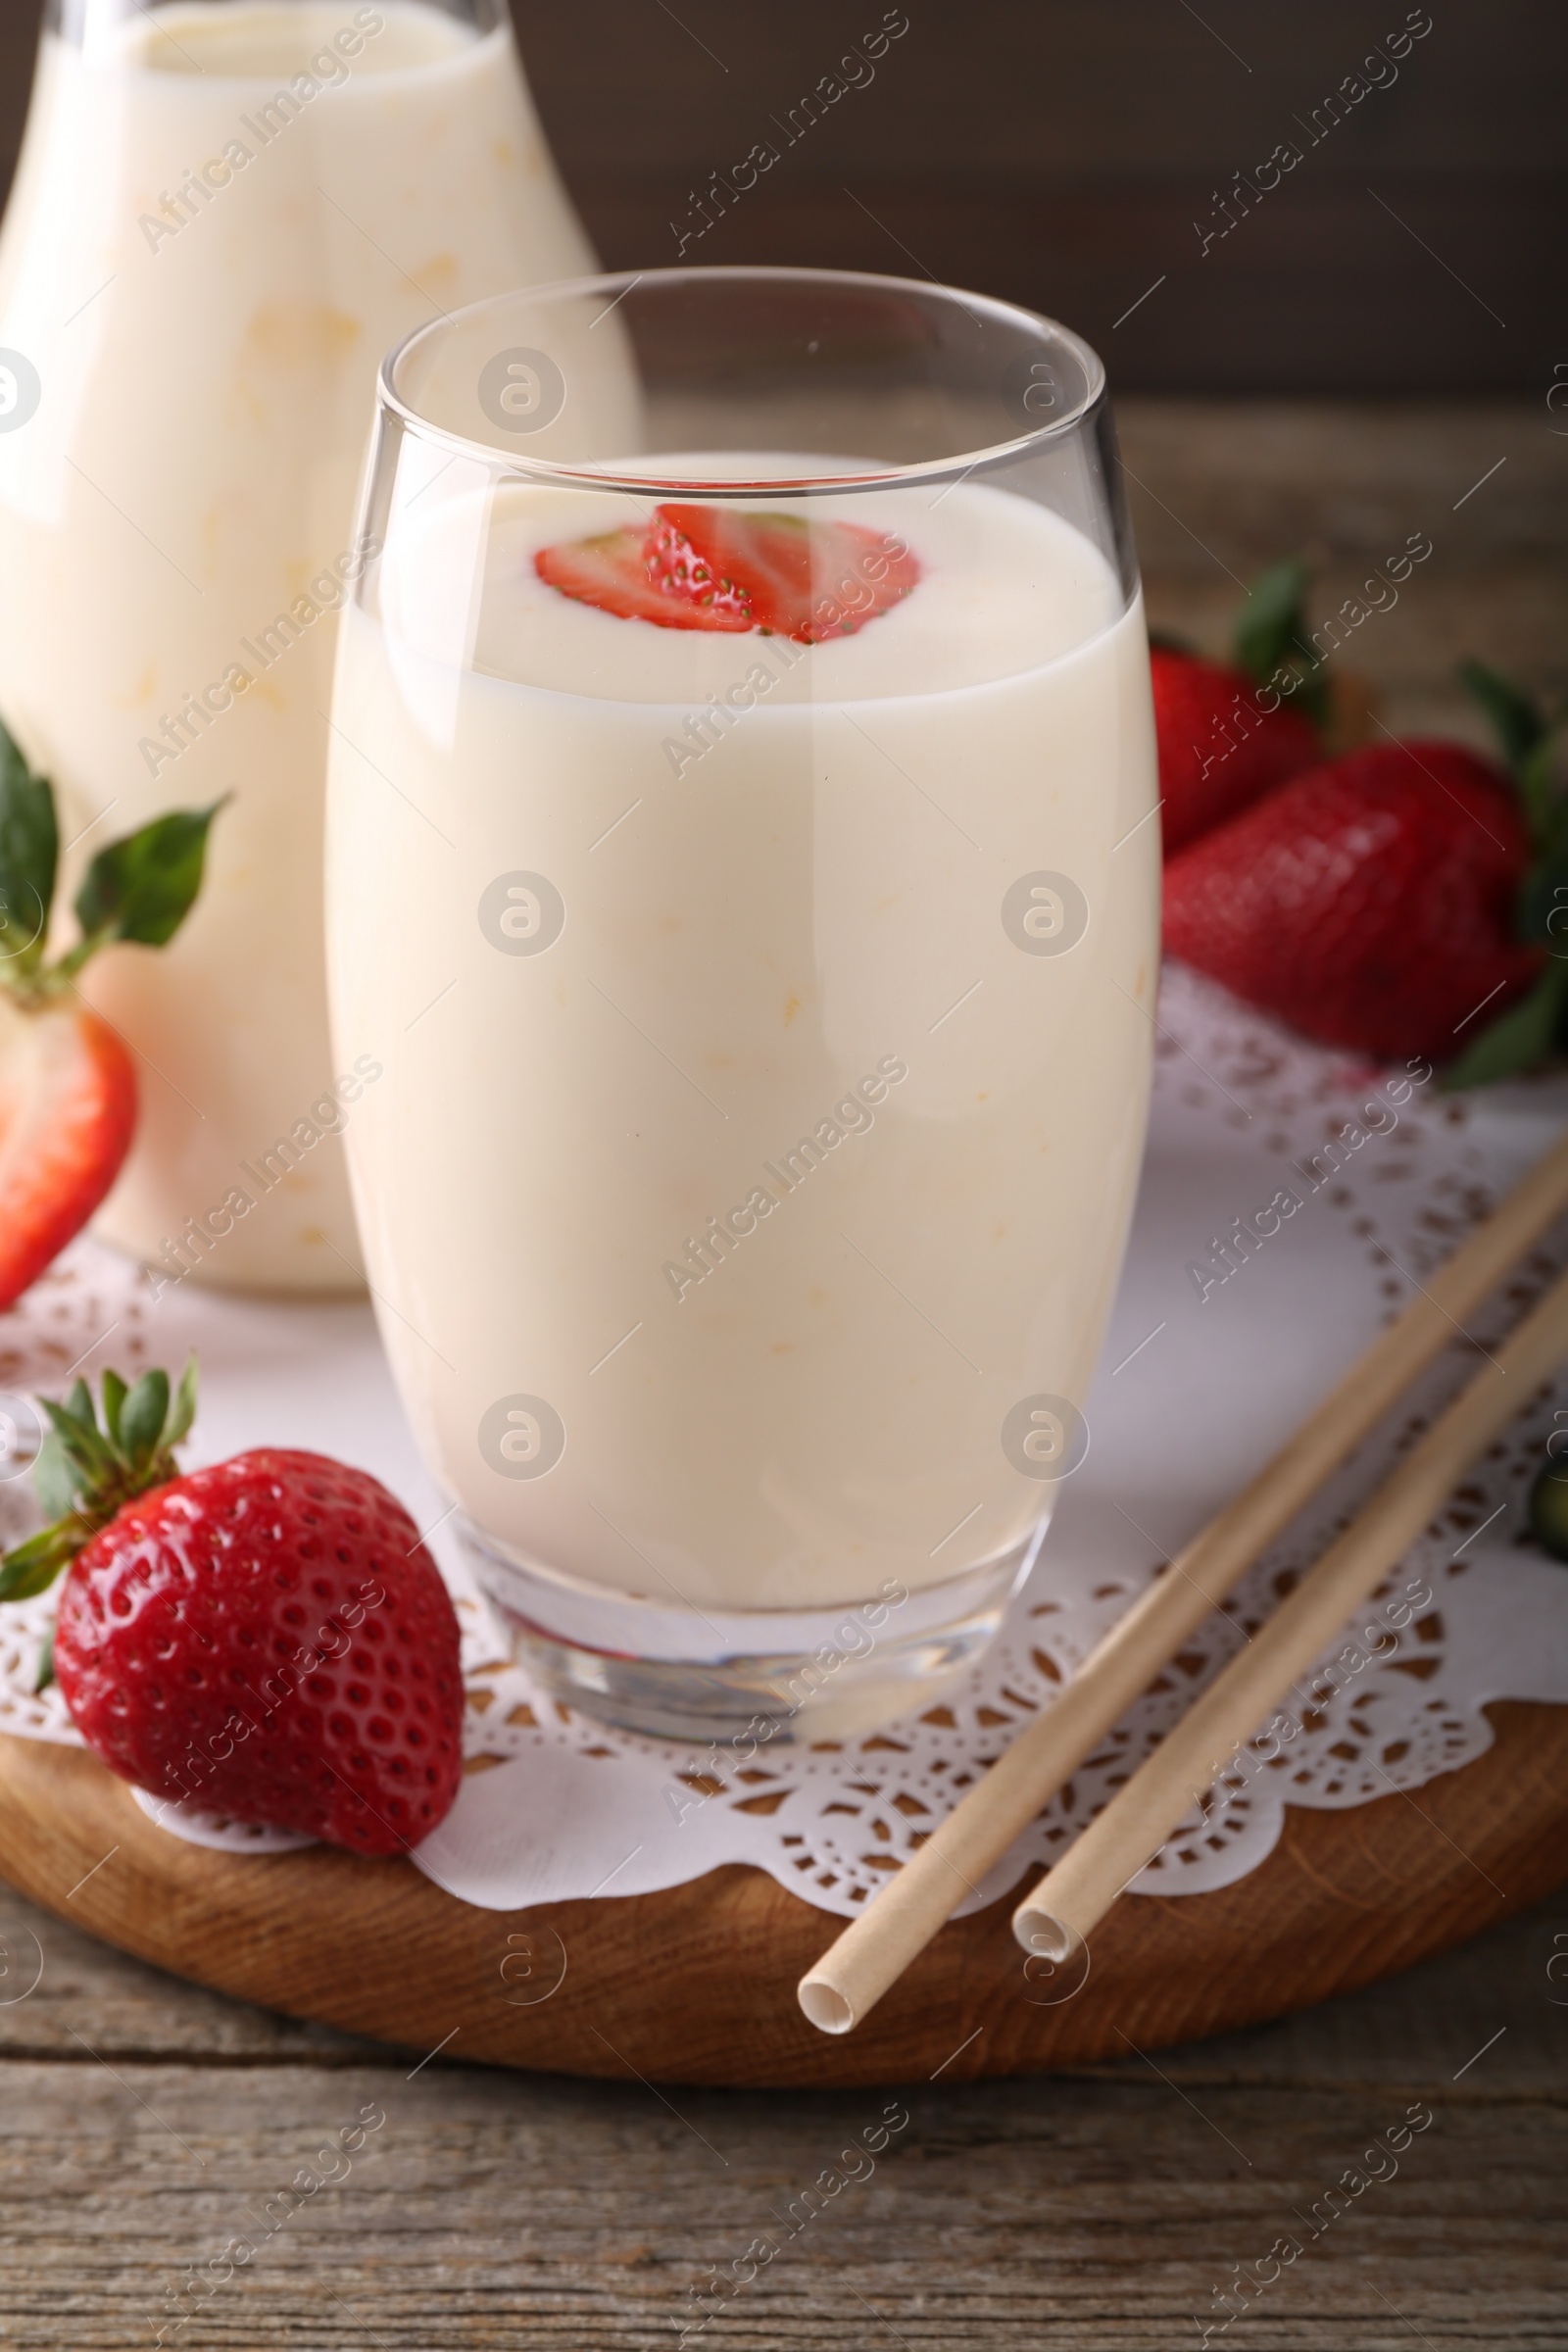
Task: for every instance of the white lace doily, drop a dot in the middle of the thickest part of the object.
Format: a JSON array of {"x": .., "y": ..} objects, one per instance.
[{"x": 1195, "y": 1392}]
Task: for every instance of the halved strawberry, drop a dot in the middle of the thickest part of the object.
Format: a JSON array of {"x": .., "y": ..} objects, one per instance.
[
  {"x": 807, "y": 579},
  {"x": 721, "y": 567},
  {"x": 614, "y": 572},
  {"x": 67, "y": 1085},
  {"x": 67, "y": 1110},
  {"x": 678, "y": 571}
]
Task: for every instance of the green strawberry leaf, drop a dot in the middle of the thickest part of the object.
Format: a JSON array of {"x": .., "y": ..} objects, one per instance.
[
  {"x": 1273, "y": 619},
  {"x": 1272, "y": 635},
  {"x": 62, "y": 1474},
  {"x": 82, "y": 1442},
  {"x": 142, "y": 888},
  {"x": 46, "y": 1659},
  {"x": 115, "y": 1393},
  {"x": 29, "y": 851},
  {"x": 31, "y": 1567},
  {"x": 1517, "y": 1040},
  {"x": 58, "y": 1481},
  {"x": 1516, "y": 718},
  {"x": 83, "y": 1477},
  {"x": 184, "y": 1410},
  {"x": 142, "y": 1422}
]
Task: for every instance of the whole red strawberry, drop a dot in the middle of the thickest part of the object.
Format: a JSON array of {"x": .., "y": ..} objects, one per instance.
[
  {"x": 268, "y": 1638},
  {"x": 1369, "y": 903},
  {"x": 1219, "y": 748}
]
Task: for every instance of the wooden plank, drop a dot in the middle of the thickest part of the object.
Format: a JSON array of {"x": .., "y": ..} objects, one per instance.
[
  {"x": 696, "y": 1983},
  {"x": 1223, "y": 488},
  {"x": 498, "y": 2212},
  {"x": 1354, "y": 476}
]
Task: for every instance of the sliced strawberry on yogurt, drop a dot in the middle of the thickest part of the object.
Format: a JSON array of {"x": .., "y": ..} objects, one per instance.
[
  {"x": 720, "y": 568},
  {"x": 808, "y": 580},
  {"x": 617, "y": 573},
  {"x": 680, "y": 571}
]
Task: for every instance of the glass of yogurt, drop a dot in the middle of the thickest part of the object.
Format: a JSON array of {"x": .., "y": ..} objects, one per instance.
[
  {"x": 224, "y": 212},
  {"x": 740, "y": 861}
]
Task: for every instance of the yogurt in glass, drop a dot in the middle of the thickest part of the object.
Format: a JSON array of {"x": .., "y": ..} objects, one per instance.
[{"x": 740, "y": 863}]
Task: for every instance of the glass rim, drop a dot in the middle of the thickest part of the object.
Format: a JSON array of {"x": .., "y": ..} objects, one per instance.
[
  {"x": 73, "y": 23},
  {"x": 617, "y": 283}
]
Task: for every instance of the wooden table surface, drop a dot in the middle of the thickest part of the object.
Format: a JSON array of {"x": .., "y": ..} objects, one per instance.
[
  {"x": 151, "y": 2133},
  {"x": 146, "y": 2127}
]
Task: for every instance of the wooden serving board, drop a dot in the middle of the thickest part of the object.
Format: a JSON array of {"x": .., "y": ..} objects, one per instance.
[{"x": 697, "y": 1983}]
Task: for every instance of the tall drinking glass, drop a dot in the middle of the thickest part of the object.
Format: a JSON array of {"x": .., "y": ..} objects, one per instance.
[
  {"x": 736, "y": 859},
  {"x": 224, "y": 212}
]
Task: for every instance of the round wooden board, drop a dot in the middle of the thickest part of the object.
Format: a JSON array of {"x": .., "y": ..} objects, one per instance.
[{"x": 697, "y": 1983}]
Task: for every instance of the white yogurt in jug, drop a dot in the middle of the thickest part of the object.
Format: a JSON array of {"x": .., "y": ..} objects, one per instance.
[{"x": 223, "y": 216}]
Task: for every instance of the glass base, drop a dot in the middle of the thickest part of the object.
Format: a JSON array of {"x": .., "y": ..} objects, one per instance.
[{"x": 777, "y": 1674}]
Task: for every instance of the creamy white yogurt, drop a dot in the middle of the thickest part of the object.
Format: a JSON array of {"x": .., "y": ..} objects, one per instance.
[{"x": 223, "y": 216}]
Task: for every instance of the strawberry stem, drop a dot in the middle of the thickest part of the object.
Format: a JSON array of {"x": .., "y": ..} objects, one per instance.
[{"x": 84, "y": 1473}]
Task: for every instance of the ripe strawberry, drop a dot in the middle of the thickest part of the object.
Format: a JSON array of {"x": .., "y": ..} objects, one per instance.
[
  {"x": 721, "y": 567},
  {"x": 620, "y": 572},
  {"x": 1229, "y": 732},
  {"x": 1220, "y": 749},
  {"x": 680, "y": 576},
  {"x": 1369, "y": 903},
  {"x": 268, "y": 1638},
  {"x": 67, "y": 1083},
  {"x": 67, "y": 1109}
]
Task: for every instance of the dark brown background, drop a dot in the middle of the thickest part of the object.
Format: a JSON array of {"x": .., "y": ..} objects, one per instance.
[{"x": 1060, "y": 153}]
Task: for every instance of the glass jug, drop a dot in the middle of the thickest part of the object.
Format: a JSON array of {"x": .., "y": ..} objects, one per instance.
[{"x": 224, "y": 212}]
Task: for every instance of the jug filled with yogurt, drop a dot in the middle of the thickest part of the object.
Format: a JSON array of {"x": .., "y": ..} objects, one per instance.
[{"x": 224, "y": 212}]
